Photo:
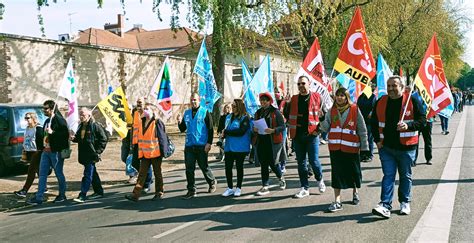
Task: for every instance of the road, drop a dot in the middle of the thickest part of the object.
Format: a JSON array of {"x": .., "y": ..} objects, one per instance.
[{"x": 441, "y": 207}]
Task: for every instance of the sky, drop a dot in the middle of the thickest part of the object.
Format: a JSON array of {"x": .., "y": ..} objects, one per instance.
[{"x": 82, "y": 14}]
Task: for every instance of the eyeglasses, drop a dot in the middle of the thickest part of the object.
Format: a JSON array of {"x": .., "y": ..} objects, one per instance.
[
  {"x": 27, "y": 118},
  {"x": 45, "y": 108},
  {"x": 299, "y": 84}
]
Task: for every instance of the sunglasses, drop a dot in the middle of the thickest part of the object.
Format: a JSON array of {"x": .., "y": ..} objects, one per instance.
[
  {"x": 27, "y": 118},
  {"x": 45, "y": 108},
  {"x": 299, "y": 84}
]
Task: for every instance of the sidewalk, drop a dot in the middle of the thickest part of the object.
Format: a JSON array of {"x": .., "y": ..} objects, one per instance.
[{"x": 111, "y": 171}]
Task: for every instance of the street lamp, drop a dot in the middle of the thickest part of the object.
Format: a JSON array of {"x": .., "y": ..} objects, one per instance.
[{"x": 2, "y": 10}]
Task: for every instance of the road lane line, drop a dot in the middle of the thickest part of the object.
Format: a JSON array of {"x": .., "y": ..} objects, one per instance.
[{"x": 435, "y": 223}]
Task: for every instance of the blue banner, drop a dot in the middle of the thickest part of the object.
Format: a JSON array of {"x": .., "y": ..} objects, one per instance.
[
  {"x": 383, "y": 73},
  {"x": 207, "y": 84},
  {"x": 349, "y": 84}
]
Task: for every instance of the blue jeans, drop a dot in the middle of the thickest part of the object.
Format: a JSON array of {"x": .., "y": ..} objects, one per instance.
[
  {"x": 91, "y": 177},
  {"x": 308, "y": 145},
  {"x": 444, "y": 123},
  {"x": 370, "y": 139},
  {"x": 283, "y": 162},
  {"x": 392, "y": 161},
  {"x": 48, "y": 160}
]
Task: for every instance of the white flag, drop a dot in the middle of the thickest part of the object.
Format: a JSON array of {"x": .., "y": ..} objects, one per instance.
[{"x": 68, "y": 90}]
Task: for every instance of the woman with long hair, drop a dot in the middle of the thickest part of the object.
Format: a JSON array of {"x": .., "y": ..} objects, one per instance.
[
  {"x": 237, "y": 136},
  {"x": 347, "y": 137}
]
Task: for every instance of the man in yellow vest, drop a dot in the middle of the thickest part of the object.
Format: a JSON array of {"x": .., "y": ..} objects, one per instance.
[{"x": 396, "y": 135}]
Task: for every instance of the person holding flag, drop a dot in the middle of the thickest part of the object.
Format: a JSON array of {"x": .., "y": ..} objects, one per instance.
[
  {"x": 396, "y": 136},
  {"x": 56, "y": 139},
  {"x": 197, "y": 123}
]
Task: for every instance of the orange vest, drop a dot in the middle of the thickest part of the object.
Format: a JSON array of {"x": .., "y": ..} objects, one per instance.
[
  {"x": 344, "y": 137},
  {"x": 313, "y": 116},
  {"x": 277, "y": 137},
  {"x": 137, "y": 124},
  {"x": 406, "y": 137},
  {"x": 148, "y": 143}
]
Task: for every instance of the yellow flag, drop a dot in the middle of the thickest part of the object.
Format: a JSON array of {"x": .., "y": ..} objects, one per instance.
[
  {"x": 115, "y": 109},
  {"x": 367, "y": 91}
]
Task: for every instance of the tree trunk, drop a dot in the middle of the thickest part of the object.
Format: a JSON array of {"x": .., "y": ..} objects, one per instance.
[{"x": 218, "y": 55}]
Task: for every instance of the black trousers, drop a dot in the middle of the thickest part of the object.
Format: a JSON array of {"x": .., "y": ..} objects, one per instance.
[
  {"x": 426, "y": 133},
  {"x": 191, "y": 155},
  {"x": 229, "y": 159}
]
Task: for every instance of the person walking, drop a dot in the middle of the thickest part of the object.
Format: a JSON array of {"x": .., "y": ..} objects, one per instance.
[
  {"x": 220, "y": 128},
  {"x": 425, "y": 132},
  {"x": 347, "y": 134},
  {"x": 237, "y": 136},
  {"x": 56, "y": 139},
  {"x": 137, "y": 116},
  {"x": 33, "y": 146},
  {"x": 396, "y": 136},
  {"x": 197, "y": 123},
  {"x": 366, "y": 105},
  {"x": 91, "y": 140},
  {"x": 303, "y": 120},
  {"x": 269, "y": 145},
  {"x": 152, "y": 142}
]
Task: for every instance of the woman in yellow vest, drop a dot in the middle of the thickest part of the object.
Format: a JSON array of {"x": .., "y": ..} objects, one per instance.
[
  {"x": 152, "y": 140},
  {"x": 347, "y": 136}
]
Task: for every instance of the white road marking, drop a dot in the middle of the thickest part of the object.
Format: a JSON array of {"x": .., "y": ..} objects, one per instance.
[{"x": 435, "y": 223}]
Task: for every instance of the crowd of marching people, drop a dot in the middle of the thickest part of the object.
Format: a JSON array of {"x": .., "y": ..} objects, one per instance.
[{"x": 296, "y": 124}]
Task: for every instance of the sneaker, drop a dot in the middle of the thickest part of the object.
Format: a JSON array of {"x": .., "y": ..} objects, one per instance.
[
  {"x": 80, "y": 199},
  {"x": 302, "y": 193},
  {"x": 21, "y": 193},
  {"x": 131, "y": 198},
  {"x": 322, "y": 186},
  {"x": 405, "y": 208},
  {"x": 96, "y": 195},
  {"x": 310, "y": 173},
  {"x": 133, "y": 180},
  {"x": 282, "y": 184},
  {"x": 355, "y": 199},
  {"x": 190, "y": 195},
  {"x": 212, "y": 187},
  {"x": 59, "y": 199},
  {"x": 237, "y": 192},
  {"x": 228, "y": 192},
  {"x": 33, "y": 201},
  {"x": 382, "y": 211},
  {"x": 428, "y": 162},
  {"x": 283, "y": 169},
  {"x": 158, "y": 196},
  {"x": 263, "y": 191},
  {"x": 322, "y": 141},
  {"x": 146, "y": 190},
  {"x": 335, "y": 206}
]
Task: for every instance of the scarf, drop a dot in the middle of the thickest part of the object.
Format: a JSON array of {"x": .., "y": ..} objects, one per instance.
[{"x": 342, "y": 108}]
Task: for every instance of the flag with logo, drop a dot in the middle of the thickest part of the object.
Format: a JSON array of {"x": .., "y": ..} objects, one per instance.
[
  {"x": 355, "y": 58},
  {"x": 383, "y": 73},
  {"x": 108, "y": 125},
  {"x": 261, "y": 82},
  {"x": 207, "y": 84},
  {"x": 313, "y": 68},
  {"x": 68, "y": 90},
  {"x": 431, "y": 80},
  {"x": 351, "y": 85},
  {"x": 162, "y": 90},
  {"x": 115, "y": 109}
]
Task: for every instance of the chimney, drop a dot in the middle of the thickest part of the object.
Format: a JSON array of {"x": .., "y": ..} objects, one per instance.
[{"x": 120, "y": 25}]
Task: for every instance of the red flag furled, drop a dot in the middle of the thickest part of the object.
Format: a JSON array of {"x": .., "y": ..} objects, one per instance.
[
  {"x": 355, "y": 58},
  {"x": 431, "y": 81},
  {"x": 313, "y": 68}
]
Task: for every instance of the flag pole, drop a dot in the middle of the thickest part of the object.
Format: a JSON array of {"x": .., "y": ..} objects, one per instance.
[{"x": 408, "y": 101}]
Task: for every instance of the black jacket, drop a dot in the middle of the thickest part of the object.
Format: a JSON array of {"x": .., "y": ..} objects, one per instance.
[
  {"x": 59, "y": 139},
  {"x": 93, "y": 144}
]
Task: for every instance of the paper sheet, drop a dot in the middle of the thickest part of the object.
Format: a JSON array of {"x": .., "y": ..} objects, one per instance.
[{"x": 261, "y": 125}]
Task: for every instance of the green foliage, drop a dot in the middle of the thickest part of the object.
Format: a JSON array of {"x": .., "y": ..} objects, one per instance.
[{"x": 466, "y": 80}]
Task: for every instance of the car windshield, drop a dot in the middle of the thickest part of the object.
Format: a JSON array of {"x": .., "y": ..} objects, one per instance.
[
  {"x": 3, "y": 119},
  {"x": 20, "y": 116}
]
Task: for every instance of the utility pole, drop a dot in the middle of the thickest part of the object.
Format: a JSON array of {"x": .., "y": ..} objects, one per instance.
[{"x": 70, "y": 22}]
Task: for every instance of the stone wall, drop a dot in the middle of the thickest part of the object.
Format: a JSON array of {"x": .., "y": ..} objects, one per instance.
[{"x": 31, "y": 70}]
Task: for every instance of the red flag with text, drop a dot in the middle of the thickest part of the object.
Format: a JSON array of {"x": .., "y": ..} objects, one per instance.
[
  {"x": 431, "y": 80},
  {"x": 355, "y": 58}
]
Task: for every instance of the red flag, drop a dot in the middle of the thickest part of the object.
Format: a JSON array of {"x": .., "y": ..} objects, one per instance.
[
  {"x": 313, "y": 68},
  {"x": 431, "y": 81},
  {"x": 282, "y": 88},
  {"x": 355, "y": 58}
]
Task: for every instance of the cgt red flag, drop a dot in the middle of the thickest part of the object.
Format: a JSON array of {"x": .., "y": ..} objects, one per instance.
[
  {"x": 355, "y": 58},
  {"x": 313, "y": 68},
  {"x": 431, "y": 81}
]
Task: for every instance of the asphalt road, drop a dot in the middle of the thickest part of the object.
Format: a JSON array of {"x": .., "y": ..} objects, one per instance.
[{"x": 276, "y": 217}]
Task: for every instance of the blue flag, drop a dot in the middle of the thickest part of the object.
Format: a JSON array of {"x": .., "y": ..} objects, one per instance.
[
  {"x": 349, "y": 84},
  {"x": 448, "y": 111},
  {"x": 383, "y": 73},
  {"x": 207, "y": 84},
  {"x": 253, "y": 86}
]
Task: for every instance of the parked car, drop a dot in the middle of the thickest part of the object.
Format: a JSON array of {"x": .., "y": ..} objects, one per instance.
[{"x": 12, "y": 130}]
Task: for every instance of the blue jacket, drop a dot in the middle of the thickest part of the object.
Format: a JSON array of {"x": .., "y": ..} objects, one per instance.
[
  {"x": 196, "y": 132},
  {"x": 237, "y": 134}
]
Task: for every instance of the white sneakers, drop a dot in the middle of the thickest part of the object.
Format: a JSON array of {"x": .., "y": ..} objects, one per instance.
[
  {"x": 321, "y": 185},
  {"x": 229, "y": 192},
  {"x": 381, "y": 211},
  {"x": 405, "y": 208},
  {"x": 302, "y": 193}
]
